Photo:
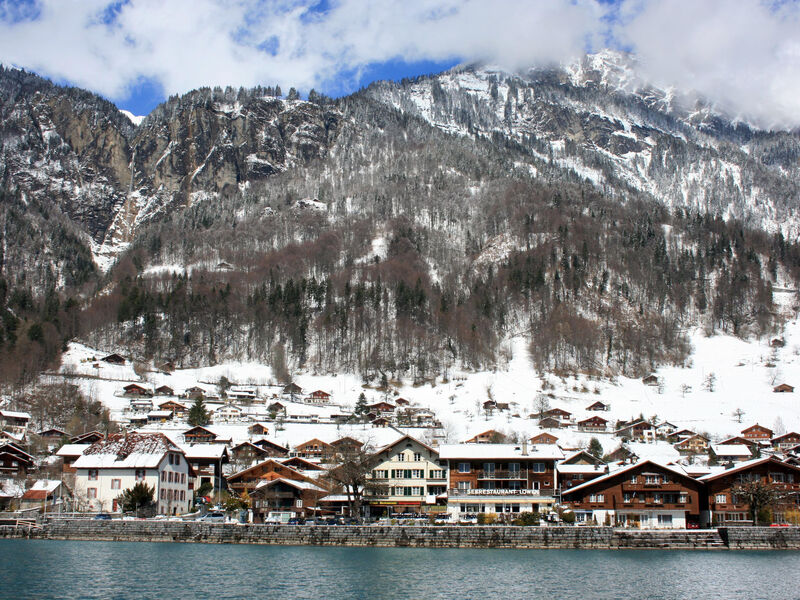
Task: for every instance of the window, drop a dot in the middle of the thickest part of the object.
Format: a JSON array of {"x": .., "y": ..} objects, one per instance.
[
  {"x": 416, "y": 491},
  {"x": 665, "y": 520},
  {"x": 720, "y": 499},
  {"x": 777, "y": 477},
  {"x": 401, "y": 457},
  {"x": 417, "y": 473},
  {"x": 116, "y": 484},
  {"x": 163, "y": 493},
  {"x": 169, "y": 457},
  {"x": 658, "y": 499},
  {"x": 538, "y": 467},
  {"x": 436, "y": 474},
  {"x": 488, "y": 469},
  {"x": 183, "y": 495},
  {"x": 91, "y": 493},
  {"x": 627, "y": 497},
  {"x": 513, "y": 469},
  {"x": 417, "y": 457},
  {"x": 169, "y": 477},
  {"x": 92, "y": 474},
  {"x": 464, "y": 467},
  {"x": 683, "y": 498},
  {"x": 597, "y": 498},
  {"x": 633, "y": 479},
  {"x": 183, "y": 477},
  {"x": 163, "y": 475},
  {"x": 515, "y": 485},
  {"x": 140, "y": 474},
  {"x": 463, "y": 486}
]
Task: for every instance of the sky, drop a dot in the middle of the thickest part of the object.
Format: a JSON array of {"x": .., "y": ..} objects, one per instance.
[{"x": 742, "y": 54}]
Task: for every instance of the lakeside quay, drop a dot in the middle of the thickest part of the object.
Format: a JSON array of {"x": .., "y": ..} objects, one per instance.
[{"x": 606, "y": 538}]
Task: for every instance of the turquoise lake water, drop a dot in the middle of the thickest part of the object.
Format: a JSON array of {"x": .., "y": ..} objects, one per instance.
[{"x": 63, "y": 569}]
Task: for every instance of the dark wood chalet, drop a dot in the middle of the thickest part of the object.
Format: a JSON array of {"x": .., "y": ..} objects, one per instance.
[
  {"x": 199, "y": 435},
  {"x": 550, "y": 423},
  {"x": 644, "y": 495},
  {"x": 319, "y": 396},
  {"x": 490, "y": 436},
  {"x": 544, "y": 438},
  {"x": 301, "y": 464},
  {"x": 114, "y": 359},
  {"x": 165, "y": 390},
  {"x": 757, "y": 432},
  {"x": 178, "y": 409},
  {"x": 313, "y": 448},
  {"x": 783, "y": 388},
  {"x": 86, "y": 438},
  {"x": 286, "y": 494},
  {"x": 134, "y": 389},
  {"x": 292, "y": 390},
  {"x": 258, "y": 429},
  {"x": 786, "y": 441},
  {"x": 578, "y": 468},
  {"x": 596, "y": 424},
  {"x": 598, "y": 406},
  {"x": 272, "y": 448},
  {"x": 247, "y": 452},
  {"x": 725, "y": 506},
  {"x": 248, "y": 479},
  {"x": 14, "y": 461},
  {"x": 558, "y": 413}
]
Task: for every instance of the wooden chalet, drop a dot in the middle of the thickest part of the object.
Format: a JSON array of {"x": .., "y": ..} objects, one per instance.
[
  {"x": 199, "y": 435},
  {"x": 786, "y": 441},
  {"x": 622, "y": 454},
  {"x": 777, "y": 343},
  {"x": 665, "y": 429},
  {"x": 752, "y": 444},
  {"x": 578, "y": 468},
  {"x": 276, "y": 408},
  {"x": 159, "y": 416},
  {"x": 292, "y": 390},
  {"x": 644, "y": 495},
  {"x": 638, "y": 430},
  {"x": 680, "y": 435},
  {"x": 258, "y": 429},
  {"x": 380, "y": 422},
  {"x": 247, "y": 452},
  {"x": 206, "y": 461},
  {"x": 490, "y": 436},
  {"x": 596, "y": 424},
  {"x": 15, "y": 420},
  {"x": 164, "y": 390},
  {"x": 489, "y": 406},
  {"x": 783, "y": 388},
  {"x": 113, "y": 359},
  {"x": 758, "y": 433},
  {"x": 650, "y": 380},
  {"x": 725, "y": 506},
  {"x": 347, "y": 444},
  {"x": 194, "y": 392},
  {"x": 284, "y": 493},
  {"x": 313, "y": 448},
  {"x": 272, "y": 448},
  {"x": 69, "y": 453},
  {"x": 248, "y": 479},
  {"x": 598, "y": 406},
  {"x": 550, "y": 423},
  {"x": 14, "y": 461},
  {"x": 730, "y": 453},
  {"x": 544, "y": 438},
  {"x": 178, "y": 409},
  {"x": 402, "y": 402},
  {"x": 134, "y": 389},
  {"x": 558, "y": 413},
  {"x": 86, "y": 438},
  {"x": 166, "y": 367},
  {"x": 318, "y": 397},
  {"x": 382, "y": 408},
  {"x": 301, "y": 464},
  {"x": 52, "y": 437},
  {"x": 697, "y": 444}
]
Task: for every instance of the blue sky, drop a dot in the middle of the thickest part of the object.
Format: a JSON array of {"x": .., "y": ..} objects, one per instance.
[{"x": 742, "y": 54}]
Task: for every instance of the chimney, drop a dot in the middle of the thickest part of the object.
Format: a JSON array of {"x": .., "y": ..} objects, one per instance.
[{"x": 525, "y": 447}]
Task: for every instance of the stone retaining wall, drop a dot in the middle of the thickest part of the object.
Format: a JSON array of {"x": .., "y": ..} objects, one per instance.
[{"x": 420, "y": 536}]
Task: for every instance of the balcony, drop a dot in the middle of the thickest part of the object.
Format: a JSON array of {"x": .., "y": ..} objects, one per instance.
[{"x": 503, "y": 474}]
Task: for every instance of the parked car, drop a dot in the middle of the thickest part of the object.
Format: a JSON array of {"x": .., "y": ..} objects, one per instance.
[
  {"x": 102, "y": 517},
  {"x": 213, "y": 517}
]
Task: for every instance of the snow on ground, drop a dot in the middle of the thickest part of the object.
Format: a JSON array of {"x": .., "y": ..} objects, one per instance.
[
  {"x": 744, "y": 374},
  {"x": 136, "y": 120}
]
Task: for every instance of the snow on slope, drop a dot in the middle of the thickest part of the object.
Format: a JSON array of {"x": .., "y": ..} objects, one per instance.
[{"x": 745, "y": 373}]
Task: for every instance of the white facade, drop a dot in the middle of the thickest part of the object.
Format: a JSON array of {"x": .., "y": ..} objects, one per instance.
[
  {"x": 108, "y": 468},
  {"x": 642, "y": 519}
]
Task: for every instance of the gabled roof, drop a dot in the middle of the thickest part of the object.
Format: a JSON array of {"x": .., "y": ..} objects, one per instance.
[
  {"x": 11, "y": 414},
  {"x": 199, "y": 429},
  {"x": 785, "y": 435},
  {"x": 127, "y": 451},
  {"x": 208, "y": 451},
  {"x": 52, "y": 431},
  {"x": 301, "y": 464},
  {"x": 300, "y": 485},
  {"x": 731, "y": 450},
  {"x": 743, "y": 466},
  {"x": 401, "y": 440},
  {"x": 72, "y": 450},
  {"x": 625, "y": 469},
  {"x": 757, "y": 426}
]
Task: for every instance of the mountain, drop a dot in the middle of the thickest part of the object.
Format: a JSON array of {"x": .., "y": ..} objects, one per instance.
[{"x": 404, "y": 229}]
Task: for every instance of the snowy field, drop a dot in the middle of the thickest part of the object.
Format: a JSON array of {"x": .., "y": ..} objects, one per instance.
[{"x": 745, "y": 373}]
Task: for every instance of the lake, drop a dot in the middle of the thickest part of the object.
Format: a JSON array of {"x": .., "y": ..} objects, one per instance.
[{"x": 66, "y": 569}]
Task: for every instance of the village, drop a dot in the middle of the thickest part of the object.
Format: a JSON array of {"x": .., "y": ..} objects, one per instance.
[{"x": 281, "y": 453}]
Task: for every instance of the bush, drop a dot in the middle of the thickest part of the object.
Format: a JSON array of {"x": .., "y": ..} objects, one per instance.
[
  {"x": 486, "y": 518},
  {"x": 527, "y": 519},
  {"x": 568, "y": 517}
]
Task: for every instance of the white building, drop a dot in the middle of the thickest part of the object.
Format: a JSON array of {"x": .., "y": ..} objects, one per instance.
[{"x": 115, "y": 464}]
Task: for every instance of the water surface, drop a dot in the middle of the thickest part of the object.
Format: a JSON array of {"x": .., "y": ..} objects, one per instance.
[{"x": 67, "y": 569}]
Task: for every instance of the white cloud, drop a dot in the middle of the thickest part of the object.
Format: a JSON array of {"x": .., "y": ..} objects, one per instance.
[{"x": 744, "y": 54}]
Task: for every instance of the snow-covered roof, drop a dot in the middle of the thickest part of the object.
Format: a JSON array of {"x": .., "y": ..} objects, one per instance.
[
  {"x": 47, "y": 485},
  {"x": 731, "y": 450},
  {"x": 157, "y": 414},
  {"x": 742, "y": 466},
  {"x": 581, "y": 468},
  {"x": 15, "y": 415},
  {"x": 126, "y": 451},
  {"x": 72, "y": 449},
  {"x": 203, "y": 450},
  {"x": 302, "y": 485},
  {"x": 499, "y": 451},
  {"x": 673, "y": 469}
]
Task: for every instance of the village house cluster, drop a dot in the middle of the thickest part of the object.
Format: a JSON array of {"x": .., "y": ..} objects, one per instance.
[{"x": 285, "y": 449}]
